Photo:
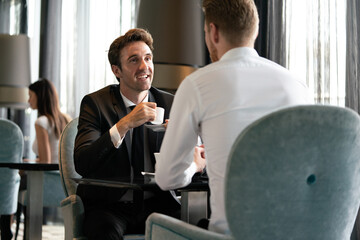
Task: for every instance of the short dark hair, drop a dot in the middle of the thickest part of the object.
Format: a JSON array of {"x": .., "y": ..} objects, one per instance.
[
  {"x": 236, "y": 19},
  {"x": 133, "y": 35}
]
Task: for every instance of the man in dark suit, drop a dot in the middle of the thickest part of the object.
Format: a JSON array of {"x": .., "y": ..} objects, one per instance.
[{"x": 104, "y": 145}]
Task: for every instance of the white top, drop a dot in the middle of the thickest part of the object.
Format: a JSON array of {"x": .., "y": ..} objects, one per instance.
[
  {"x": 43, "y": 122},
  {"x": 217, "y": 102}
]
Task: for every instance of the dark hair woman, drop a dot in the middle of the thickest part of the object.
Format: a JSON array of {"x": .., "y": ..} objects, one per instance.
[{"x": 50, "y": 122}]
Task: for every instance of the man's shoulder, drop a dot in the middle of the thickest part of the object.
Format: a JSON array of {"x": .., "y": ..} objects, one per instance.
[
  {"x": 101, "y": 94},
  {"x": 162, "y": 98},
  {"x": 161, "y": 93},
  {"x": 103, "y": 91}
]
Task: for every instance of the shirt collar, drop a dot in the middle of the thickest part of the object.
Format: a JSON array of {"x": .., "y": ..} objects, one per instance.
[
  {"x": 129, "y": 103},
  {"x": 239, "y": 51}
]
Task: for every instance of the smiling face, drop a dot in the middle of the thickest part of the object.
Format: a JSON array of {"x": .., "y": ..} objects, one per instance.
[
  {"x": 136, "y": 71},
  {"x": 32, "y": 100}
]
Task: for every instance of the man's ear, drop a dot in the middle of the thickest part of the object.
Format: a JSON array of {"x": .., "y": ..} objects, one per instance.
[
  {"x": 116, "y": 70},
  {"x": 214, "y": 33}
]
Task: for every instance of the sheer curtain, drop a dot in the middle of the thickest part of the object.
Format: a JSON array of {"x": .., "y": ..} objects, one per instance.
[
  {"x": 88, "y": 28},
  {"x": 316, "y": 46},
  {"x": 309, "y": 38}
]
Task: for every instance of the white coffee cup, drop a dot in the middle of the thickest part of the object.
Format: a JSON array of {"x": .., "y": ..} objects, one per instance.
[{"x": 159, "y": 116}]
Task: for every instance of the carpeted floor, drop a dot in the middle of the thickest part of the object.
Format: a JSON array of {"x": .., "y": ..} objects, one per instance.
[
  {"x": 52, "y": 230},
  {"x": 49, "y": 232}
]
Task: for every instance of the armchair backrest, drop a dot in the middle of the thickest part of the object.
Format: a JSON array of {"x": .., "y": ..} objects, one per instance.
[
  {"x": 295, "y": 174},
  {"x": 12, "y": 142},
  {"x": 11, "y": 150},
  {"x": 66, "y": 159}
]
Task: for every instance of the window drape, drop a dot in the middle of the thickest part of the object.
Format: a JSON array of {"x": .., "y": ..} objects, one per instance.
[
  {"x": 13, "y": 17},
  {"x": 49, "y": 54},
  {"x": 308, "y": 37},
  {"x": 276, "y": 32},
  {"x": 88, "y": 29},
  {"x": 353, "y": 55},
  {"x": 5, "y": 16}
]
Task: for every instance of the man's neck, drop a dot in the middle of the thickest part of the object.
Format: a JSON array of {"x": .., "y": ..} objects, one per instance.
[
  {"x": 227, "y": 47},
  {"x": 135, "y": 98}
]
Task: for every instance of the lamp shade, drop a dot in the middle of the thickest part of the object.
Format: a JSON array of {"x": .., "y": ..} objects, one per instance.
[
  {"x": 178, "y": 32},
  {"x": 14, "y": 70}
]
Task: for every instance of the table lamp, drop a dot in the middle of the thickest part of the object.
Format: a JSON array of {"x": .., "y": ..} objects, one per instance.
[
  {"x": 178, "y": 33},
  {"x": 14, "y": 71}
]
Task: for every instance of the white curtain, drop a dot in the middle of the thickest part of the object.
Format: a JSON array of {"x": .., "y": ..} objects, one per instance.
[
  {"x": 316, "y": 46},
  {"x": 88, "y": 29}
]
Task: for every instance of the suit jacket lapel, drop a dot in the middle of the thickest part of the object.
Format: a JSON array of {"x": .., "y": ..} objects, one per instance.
[
  {"x": 151, "y": 97},
  {"x": 121, "y": 111}
]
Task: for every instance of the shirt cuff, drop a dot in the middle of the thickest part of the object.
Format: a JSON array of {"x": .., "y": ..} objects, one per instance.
[
  {"x": 191, "y": 170},
  {"x": 115, "y": 137}
]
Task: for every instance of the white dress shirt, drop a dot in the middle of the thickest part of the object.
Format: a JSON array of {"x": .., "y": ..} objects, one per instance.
[
  {"x": 115, "y": 137},
  {"x": 117, "y": 140},
  {"x": 217, "y": 102}
]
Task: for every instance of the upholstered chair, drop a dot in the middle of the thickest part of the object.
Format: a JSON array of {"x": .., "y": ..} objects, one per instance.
[
  {"x": 72, "y": 206},
  {"x": 11, "y": 151},
  {"x": 293, "y": 174}
]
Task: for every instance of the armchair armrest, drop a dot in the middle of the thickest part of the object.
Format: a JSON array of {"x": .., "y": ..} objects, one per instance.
[
  {"x": 162, "y": 227},
  {"x": 73, "y": 212}
]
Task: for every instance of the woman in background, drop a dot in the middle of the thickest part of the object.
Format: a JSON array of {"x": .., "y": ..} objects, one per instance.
[
  {"x": 50, "y": 122},
  {"x": 48, "y": 127}
]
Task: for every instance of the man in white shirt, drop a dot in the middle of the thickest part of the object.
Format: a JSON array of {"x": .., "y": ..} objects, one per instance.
[{"x": 218, "y": 101}]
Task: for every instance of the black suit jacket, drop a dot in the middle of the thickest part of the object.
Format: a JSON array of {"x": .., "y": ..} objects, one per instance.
[{"x": 94, "y": 154}]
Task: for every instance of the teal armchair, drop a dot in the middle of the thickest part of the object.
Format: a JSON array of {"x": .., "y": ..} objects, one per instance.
[
  {"x": 293, "y": 174},
  {"x": 72, "y": 206},
  {"x": 53, "y": 193},
  {"x": 11, "y": 150}
]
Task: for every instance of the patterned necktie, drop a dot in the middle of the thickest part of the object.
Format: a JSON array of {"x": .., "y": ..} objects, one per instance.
[{"x": 137, "y": 149}]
